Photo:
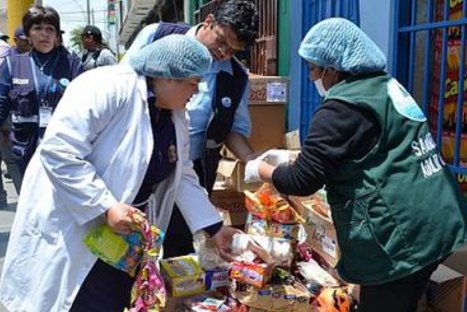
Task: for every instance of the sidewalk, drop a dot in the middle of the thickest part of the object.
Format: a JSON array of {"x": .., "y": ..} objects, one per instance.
[{"x": 6, "y": 219}]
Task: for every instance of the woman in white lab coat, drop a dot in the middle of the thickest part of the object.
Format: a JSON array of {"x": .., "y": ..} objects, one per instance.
[{"x": 101, "y": 157}]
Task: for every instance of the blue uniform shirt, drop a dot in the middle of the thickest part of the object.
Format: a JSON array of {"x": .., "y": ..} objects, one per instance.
[{"x": 200, "y": 106}]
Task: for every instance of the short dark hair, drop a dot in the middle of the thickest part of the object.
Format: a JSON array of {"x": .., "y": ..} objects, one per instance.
[
  {"x": 241, "y": 16},
  {"x": 38, "y": 14},
  {"x": 91, "y": 30}
]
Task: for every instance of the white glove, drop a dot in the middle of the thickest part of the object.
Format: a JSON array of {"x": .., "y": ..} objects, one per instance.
[
  {"x": 276, "y": 157},
  {"x": 251, "y": 171}
]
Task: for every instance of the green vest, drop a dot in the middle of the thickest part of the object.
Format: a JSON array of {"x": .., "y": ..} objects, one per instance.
[{"x": 398, "y": 209}]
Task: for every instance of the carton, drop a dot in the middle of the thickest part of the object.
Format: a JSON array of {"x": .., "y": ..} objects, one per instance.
[
  {"x": 268, "y": 89},
  {"x": 183, "y": 276},
  {"x": 268, "y": 98},
  {"x": 447, "y": 290},
  {"x": 231, "y": 173},
  {"x": 231, "y": 205},
  {"x": 321, "y": 234}
]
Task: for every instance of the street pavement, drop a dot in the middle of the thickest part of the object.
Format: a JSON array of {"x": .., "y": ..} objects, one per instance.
[{"x": 7, "y": 213}]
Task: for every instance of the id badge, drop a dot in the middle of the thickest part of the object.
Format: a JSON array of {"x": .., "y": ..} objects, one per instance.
[{"x": 45, "y": 113}]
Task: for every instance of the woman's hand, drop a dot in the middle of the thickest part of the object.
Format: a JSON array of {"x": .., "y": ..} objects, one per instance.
[
  {"x": 223, "y": 241},
  {"x": 123, "y": 218}
]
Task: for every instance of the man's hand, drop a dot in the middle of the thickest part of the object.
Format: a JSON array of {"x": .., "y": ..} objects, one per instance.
[{"x": 123, "y": 218}]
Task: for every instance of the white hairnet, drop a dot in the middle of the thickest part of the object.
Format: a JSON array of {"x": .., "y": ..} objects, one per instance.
[
  {"x": 174, "y": 56},
  {"x": 338, "y": 43}
]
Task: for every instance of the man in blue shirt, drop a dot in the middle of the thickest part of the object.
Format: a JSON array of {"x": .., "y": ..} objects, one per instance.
[{"x": 219, "y": 112}]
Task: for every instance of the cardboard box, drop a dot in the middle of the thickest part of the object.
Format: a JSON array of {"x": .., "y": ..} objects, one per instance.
[
  {"x": 268, "y": 98},
  {"x": 231, "y": 175},
  {"x": 183, "y": 276},
  {"x": 231, "y": 205},
  {"x": 268, "y": 126},
  {"x": 447, "y": 290},
  {"x": 268, "y": 89},
  {"x": 321, "y": 235}
]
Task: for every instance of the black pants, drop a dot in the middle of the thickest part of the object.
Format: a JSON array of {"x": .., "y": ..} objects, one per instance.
[
  {"x": 178, "y": 239},
  {"x": 104, "y": 289},
  {"x": 398, "y": 296}
]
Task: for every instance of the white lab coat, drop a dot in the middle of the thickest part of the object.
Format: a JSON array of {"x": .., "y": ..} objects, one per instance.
[{"x": 94, "y": 154}]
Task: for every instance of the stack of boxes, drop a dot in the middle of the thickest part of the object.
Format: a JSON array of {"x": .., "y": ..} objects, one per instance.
[{"x": 267, "y": 105}]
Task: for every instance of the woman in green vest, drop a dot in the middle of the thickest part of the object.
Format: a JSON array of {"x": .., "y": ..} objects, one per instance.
[{"x": 396, "y": 208}]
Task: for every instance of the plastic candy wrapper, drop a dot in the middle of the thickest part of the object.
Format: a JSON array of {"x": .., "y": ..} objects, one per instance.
[
  {"x": 258, "y": 226},
  {"x": 335, "y": 300},
  {"x": 267, "y": 204},
  {"x": 122, "y": 251},
  {"x": 148, "y": 293},
  {"x": 256, "y": 274}
]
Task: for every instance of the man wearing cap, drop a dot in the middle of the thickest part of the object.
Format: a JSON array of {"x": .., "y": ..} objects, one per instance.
[
  {"x": 96, "y": 54},
  {"x": 22, "y": 44},
  {"x": 4, "y": 46}
]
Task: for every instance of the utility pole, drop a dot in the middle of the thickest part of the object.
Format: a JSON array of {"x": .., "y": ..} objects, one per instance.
[{"x": 88, "y": 11}]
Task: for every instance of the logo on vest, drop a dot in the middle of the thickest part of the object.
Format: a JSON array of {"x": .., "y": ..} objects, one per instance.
[
  {"x": 434, "y": 163},
  {"x": 403, "y": 102},
  {"x": 226, "y": 101},
  {"x": 20, "y": 81},
  {"x": 64, "y": 82}
]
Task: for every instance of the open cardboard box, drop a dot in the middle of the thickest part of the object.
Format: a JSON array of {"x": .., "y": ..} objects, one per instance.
[
  {"x": 231, "y": 205},
  {"x": 447, "y": 290},
  {"x": 231, "y": 173}
]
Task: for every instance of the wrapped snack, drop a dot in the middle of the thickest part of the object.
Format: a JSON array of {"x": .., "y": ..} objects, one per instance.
[
  {"x": 313, "y": 272},
  {"x": 183, "y": 276},
  {"x": 256, "y": 274},
  {"x": 279, "y": 249},
  {"x": 279, "y": 298},
  {"x": 267, "y": 204},
  {"x": 122, "y": 251},
  {"x": 148, "y": 292}
]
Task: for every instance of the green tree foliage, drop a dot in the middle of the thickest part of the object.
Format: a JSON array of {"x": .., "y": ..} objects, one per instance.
[{"x": 75, "y": 39}]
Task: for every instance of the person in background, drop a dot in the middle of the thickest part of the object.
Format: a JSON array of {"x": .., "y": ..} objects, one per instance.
[
  {"x": 396, "y": 207},
  {"x": 107, "y": 149},
  {"x": 31, "y": 84},
  {"x": 95, "y": 53},
  {"x": 22, "y": 44},
  {"x": 4, "y": 47},
  {"x": 219, "y": 112}
]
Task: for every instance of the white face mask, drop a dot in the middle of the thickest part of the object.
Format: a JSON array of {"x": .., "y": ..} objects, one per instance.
[{"x": 320, "y": 87}]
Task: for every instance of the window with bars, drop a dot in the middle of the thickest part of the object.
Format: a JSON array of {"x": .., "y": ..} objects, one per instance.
[
  {"x": 261, "y": 59},
  {"x": 430, "y": 57}
]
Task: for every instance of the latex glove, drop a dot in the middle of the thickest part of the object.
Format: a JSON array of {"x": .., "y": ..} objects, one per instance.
[
  {"x": 276, "y": 157},
  {"x": 123, "y": 218},
  {"x": 251, "y": 171}
]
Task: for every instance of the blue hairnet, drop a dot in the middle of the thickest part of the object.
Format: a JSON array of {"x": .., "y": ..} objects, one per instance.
[
  {"x": 338, "y": 43},
  {"x": 173, "y": 56}
]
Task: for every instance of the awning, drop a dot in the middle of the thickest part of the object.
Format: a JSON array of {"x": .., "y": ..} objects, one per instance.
[{"x": 137, "y": 12}]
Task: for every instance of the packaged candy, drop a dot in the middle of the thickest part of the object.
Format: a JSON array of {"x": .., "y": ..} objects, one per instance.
[
  {"x": 183, "y": 276},
  {"x": 256, "y": 274},
  {"x": 279, "y": 298},
  {"x": 148, "y": 293},
  {"x": 122, "y": 251}
]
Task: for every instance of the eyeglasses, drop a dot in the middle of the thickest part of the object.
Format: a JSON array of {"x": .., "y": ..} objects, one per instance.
[{"x": 222, "y": 42}]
